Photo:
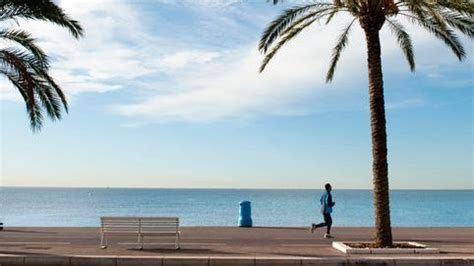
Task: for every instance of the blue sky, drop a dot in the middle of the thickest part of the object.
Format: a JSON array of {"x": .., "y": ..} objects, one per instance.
[{"x": 167, "y": 94}]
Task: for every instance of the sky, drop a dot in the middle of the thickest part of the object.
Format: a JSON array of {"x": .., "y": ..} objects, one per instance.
[{"x": 167, "y": 94}]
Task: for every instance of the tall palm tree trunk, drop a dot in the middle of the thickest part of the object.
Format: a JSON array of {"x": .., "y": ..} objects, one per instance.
[{"x": 383, "y": 234}]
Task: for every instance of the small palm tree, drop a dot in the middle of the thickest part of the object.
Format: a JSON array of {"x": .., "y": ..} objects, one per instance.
[
  {"x": 439, "y": 17},
  {"x": 25, "y": 65}
]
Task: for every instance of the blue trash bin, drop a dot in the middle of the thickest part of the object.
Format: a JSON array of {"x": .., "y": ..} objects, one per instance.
[{"x": 245, "y": 214}]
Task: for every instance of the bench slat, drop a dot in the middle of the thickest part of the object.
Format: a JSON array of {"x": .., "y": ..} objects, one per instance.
[{"x": 158, "y": 225}]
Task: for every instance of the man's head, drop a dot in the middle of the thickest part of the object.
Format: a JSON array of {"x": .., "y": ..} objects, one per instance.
[{"x": 328, "y": 187}]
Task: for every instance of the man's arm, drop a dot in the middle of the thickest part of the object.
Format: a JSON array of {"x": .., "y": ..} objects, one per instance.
[{"x": 330, "y": 202}]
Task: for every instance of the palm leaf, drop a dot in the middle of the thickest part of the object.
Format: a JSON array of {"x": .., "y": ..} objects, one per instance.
[
  {"x": 341, "y": 44},
  {"x": 331, "y": 15},
  {"x": 415, "y": 7},
  {"x": 50, "y": 81},
  {"x": 17, "y": 62},
  {"x": 317, "y": 14},
  {"x": 27, "y": 75},
  {"x": 464, "y": 24},
  {"x": 26, "y": 66},
  {"x": 463, "y": 7},
  {"x": 447, "y": 35},
  {"x": 404, "y": 41},
  {"x": 39, "y": 10},
  {"x": 24, "y": 39},
  {"x": 49, "y": 100},
  {"x": 281, "y": 23},
  {"x": 285, "y": 38}
]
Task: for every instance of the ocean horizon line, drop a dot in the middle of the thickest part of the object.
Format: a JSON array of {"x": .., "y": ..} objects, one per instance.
[{"x": 227, "y": 188}]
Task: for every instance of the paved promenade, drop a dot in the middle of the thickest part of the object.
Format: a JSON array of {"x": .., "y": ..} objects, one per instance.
[{"x": 225, "y": 246}]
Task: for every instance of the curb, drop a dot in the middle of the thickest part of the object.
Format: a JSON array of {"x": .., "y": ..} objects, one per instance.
[{"x": 15, "y": 260}]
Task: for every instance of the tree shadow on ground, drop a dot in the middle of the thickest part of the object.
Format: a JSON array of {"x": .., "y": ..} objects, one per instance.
[
  {"x": 27, "y": 231},
  {"x": 279, "y": 228},
  {"x": 3, "y": 252},
  {"x": 38, "y": 248},
  {"x": 182, "y": 251},
  {"x": 306, "y": 255},
  {"x": 456, "y": 252},
  {"x": 439, "y": 241}
]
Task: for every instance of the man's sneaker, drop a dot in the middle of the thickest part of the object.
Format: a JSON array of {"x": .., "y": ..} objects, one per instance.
[
  {"x": 313, "y": 227},
  {"x": 328, "y": 236}
]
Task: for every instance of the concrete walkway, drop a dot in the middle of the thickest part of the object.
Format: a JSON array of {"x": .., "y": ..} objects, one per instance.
[{"x": 225, "y": 246}]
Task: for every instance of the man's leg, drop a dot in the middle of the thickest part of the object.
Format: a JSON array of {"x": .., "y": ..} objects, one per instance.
[
  {"x": 328, "y": 222},
  {"x": 321, "y": 224},
  {"x": 314, "y": 226}
]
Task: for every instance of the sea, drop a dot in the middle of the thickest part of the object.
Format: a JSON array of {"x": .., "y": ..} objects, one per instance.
[{"x": 220, "y": 207}]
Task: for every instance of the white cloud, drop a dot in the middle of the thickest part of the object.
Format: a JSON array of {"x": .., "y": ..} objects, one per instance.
[
  {"x": 405, "y": 103},
  {"x": 230, "y": 86},
  {"x": 185, "y": 58},
  {"x": 107, "y": 56},
  {"x": 179, "y": 76}
]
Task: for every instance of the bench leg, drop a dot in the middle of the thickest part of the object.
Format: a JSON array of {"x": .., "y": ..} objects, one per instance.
[
  {"x": 177, "y": 242},
  {"x": 102, "y": 244},
  {"x": 140, "y": 241}
]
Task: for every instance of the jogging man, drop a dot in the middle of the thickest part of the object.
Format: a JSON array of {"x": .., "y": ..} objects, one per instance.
[{"x": 326, "y": 210}]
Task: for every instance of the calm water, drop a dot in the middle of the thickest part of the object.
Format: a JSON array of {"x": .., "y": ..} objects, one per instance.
[{"x": 84, "y": 206}]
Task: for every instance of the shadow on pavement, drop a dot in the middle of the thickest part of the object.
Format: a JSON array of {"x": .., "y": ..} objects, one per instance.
[{"x": 181, "y": 251}]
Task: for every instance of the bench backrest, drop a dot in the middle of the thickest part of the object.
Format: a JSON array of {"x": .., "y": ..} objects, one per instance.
[{"x": 140, "y": 224}]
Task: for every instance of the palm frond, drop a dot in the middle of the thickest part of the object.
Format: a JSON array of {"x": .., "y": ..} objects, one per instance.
[
  {"x": 448, "y": 36},
  {"x": 36, "y": 116},
  {"x": 331, "y": 15},
  {"x": 353, "y": 6},
  {"x": 49, "y": 100},
  {"x": 434, "y": 12},
  {"x": 317, "y": 15},
  {"x": 34, "y": 84},
  {"x": 24, "y": 39},
  {"x": 464, "y": 24},
  {"x": 18, "y": 62},
  {"x": 25, "y": 64},
  {"x": 415, "y": 7},
  {"x": 284, "y": 39},
  {"x": 463, "y": 7},
  {"x": 281, "y": 23},
  {"x": 53, "y": 86},
  {"x": 20, "y": 57},
  {"x": 336, "y": 54},
  {"x": 404, "y": 41},
  {"x": 45, "y": 10}
]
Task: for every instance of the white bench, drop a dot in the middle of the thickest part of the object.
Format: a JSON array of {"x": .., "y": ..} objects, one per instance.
[{"x": 140, "y": 226}]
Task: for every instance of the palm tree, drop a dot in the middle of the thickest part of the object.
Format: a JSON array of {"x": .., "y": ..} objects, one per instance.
[
  {"x": 25, "y": 65},
  {"x": 441, "y": 18}
]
